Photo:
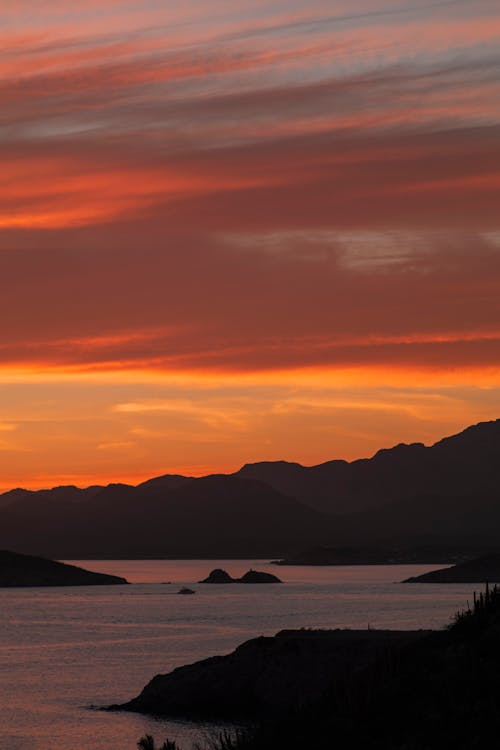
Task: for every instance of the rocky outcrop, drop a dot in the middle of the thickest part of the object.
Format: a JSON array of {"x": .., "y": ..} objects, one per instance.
[
  {"x": 266, "y": 675},
  {"x": 25, "y": 570},
  {"x": 480, "y": 570},
  {"x": 257, "y": 576},
  {"x": 251, "y": 576},
  {"x": 218, "y": 576}
]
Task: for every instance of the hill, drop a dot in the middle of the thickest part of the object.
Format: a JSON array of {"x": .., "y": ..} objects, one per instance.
[
  {"x": 481, "y": 570},
  {"x": 409, "y": 501},
  {"x": 68, "y": 493},
  {"x": 26, "y": 570},
  {"x": 459, "y": 465},
  {"x": 209, "y": 517}
]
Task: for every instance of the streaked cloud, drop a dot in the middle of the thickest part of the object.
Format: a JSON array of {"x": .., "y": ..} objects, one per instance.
[{"x": 281, "y": 195}]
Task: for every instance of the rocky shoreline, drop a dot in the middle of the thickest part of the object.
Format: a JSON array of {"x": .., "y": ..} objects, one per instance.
[{"x": 266, "y": 675}]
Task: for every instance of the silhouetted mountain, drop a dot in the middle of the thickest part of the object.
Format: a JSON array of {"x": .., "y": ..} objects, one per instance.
[
  {"x": 470, "y": 522},
  {"x": 403, "y": 498},
  {"x": 12, "y": 496},
  {"x": 459, "y": 465},
  {"x": 208, "y": 517},
  {"x": 26, "y": 570},
  {"x": 166, "y": 482},
  {"x": 68, "y": 493}
]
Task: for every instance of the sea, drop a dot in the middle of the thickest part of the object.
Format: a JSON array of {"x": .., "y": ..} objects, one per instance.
[{"x": 66, "y": 652}]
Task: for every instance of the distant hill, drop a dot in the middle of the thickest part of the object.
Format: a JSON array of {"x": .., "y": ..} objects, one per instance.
[
  {"x": 26, "y": 570},
  {"x": 209, "y": 517},
  {"x": 481, "y": 570},
  {"x": 67, "y": 493},
  {"x": 407, "y": 553},
  {"x": 166, "y": 482},
  {"x": 459, "y": 465},
  {"x": 467, "y": 521},
  {"x": 404, "y": 498}
]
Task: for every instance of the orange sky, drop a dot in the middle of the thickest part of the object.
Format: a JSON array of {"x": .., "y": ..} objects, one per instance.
[{"x": 232, "y": 232}]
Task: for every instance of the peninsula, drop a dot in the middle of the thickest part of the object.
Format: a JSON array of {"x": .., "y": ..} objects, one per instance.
[
  {"x": 25, "y": 570},
  {"x": 480, "y": 570},
  {"x": 365, "y": 689},
  {"x": 266, "y": 676}
]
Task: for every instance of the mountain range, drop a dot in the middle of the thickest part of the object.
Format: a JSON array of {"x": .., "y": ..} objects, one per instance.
[{"x": 447, "y": 494}]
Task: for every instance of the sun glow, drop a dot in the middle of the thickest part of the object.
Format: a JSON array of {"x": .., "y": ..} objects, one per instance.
[{"x": 237, "y": 233}]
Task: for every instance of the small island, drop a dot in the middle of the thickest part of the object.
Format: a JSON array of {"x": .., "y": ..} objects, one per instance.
[
  {"x": 480, "y": 570},
  {"x": 26, "y": 570},
  {"x": 251, "y": 576}
]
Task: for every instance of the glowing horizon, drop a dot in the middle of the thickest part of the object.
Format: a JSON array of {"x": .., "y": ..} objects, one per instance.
[{"x": 271, "y": 229}]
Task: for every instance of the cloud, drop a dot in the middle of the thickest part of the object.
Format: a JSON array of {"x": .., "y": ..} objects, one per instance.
[
  {"x": 258, "y": 194},
  {"x": 117, "y": 445},
  {"x": 195, "y": 302}
]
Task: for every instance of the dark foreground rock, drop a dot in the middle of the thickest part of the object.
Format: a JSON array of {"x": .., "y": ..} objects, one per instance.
[
  {"x": 25, "y": 570},
  {"x": 438, "y": 692},
  {"x": 480, "y": 570},
  {"x": 251, "y": 576},
  {"x": 266, "y": 675}
]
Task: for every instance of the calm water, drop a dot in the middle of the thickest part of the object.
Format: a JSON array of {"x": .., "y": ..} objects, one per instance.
[{"x": 62, "y": 650}]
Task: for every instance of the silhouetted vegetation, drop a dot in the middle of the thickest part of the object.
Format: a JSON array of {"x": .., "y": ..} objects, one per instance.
[
  {"x": 224, "y": 741},
  {"x": 484, "y": 607},
  {"x": 147, "y": 743}
]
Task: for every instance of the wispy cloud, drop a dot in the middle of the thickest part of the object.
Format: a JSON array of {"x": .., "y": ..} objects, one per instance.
[{"x": 273, "y": 194}]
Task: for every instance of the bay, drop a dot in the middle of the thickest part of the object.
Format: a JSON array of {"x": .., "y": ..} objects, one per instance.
[{"x": 63, "y": 650}]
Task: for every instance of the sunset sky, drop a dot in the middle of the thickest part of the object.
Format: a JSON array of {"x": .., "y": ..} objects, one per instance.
[{"x": 234, "y": 231}]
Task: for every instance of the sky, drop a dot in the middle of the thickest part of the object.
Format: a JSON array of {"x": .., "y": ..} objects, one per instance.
[{"x": 241, "y": 231}]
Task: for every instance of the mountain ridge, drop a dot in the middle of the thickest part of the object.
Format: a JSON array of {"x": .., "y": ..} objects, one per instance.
[
  {"x": 407, "y": 495},
  {"x": 163, "y": 480}
]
